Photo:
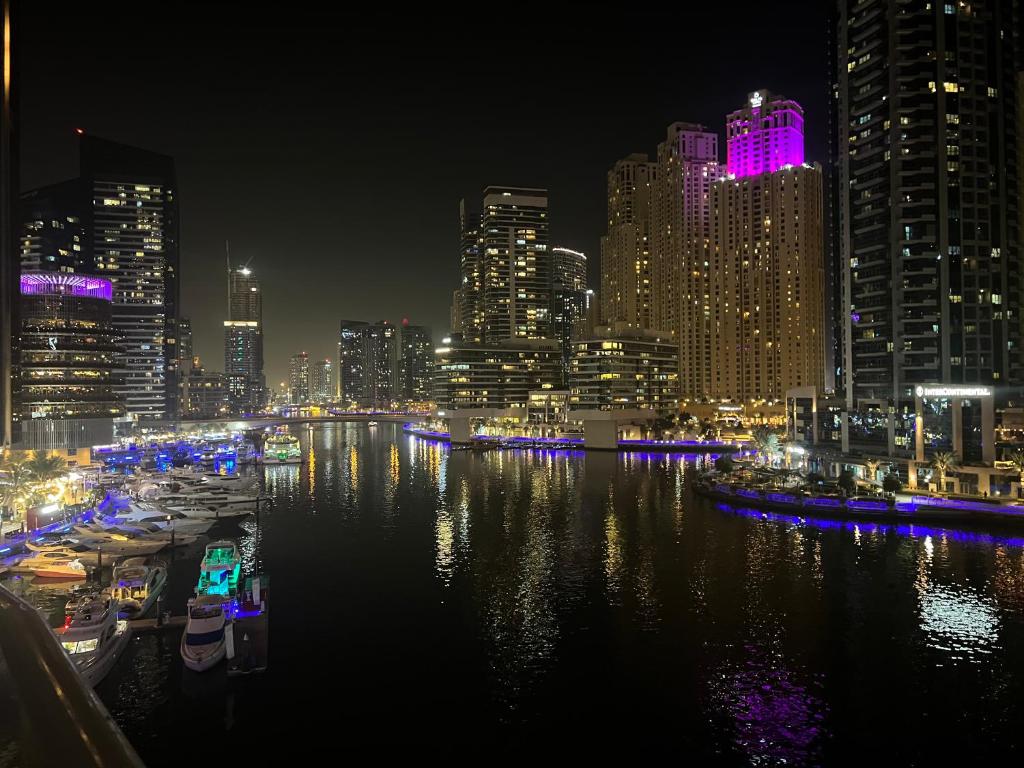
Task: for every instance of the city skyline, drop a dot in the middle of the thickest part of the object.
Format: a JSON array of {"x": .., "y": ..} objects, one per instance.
[{"x": 221, "y": 170}]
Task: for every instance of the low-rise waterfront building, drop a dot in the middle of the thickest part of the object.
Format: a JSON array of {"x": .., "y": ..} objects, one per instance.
[
  {"x": 470, "y": 375},
  {"x": 625, "y": 368}
]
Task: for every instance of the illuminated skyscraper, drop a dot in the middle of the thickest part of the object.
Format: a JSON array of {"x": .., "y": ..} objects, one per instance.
[
  {"x": 380, "y": 364},
  {"x": 928, "y": 197},
  {"x": 132, "y": 223},
  {"x": 467, "y": 305},
  {"x": 352, "y": 362},
  {"x": 243, "y": 341},
  {"x": 766, "y": 278},
  {"x": 321, "y": 382},
  {"x": 8, "y": 227},
  {"x": 53, "y": 237},
  {"x": 416, "y": 363},
  {"x": 298, "y": 378},
  {"x": 515, "y": 264},
  {"x": 569, "y": 299},
  {"x": 626, "y": 268}
]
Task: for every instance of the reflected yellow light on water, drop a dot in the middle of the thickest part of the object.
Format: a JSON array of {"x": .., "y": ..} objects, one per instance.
[{"x": 353, "y": 469}]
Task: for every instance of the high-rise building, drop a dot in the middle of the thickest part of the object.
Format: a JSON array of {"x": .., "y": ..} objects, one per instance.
[
  {"x": 68, "y": 362},
  {"x": 321, "y": 382},
  {"x": 470, "y": 375},
  {"x": 298, "y": 378},
  {"x": 380, "y": 364},
  {"x": 569, "y": 298},
  {"x": 184, "y": 344},
  {"x": 351, "y": 362},
  {"x": 929, "y": 205},
  {"x": 627, "y": 289},
  {"x": 515, "y": 263},
  {"x": 416, "y": 364},
  {"x": 205, "y": 393},
  {"x": 766, "y": 260},
  {"x": 623, "y": 368},
  {"x": 243, "y": 341},
  {"x": 53, "y": 237},
  {"x": 132, "y": 225},
  {"x": 8, "y": 227},
  {"x": 680, "y": 230},
  {"x": 467, "y": 306}
]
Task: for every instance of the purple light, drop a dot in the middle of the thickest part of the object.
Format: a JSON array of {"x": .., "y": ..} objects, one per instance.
[
  {"x": 855, "y": 316},
  {"x": 65, "y": 284},
  {"x": 752, "y": 148}
]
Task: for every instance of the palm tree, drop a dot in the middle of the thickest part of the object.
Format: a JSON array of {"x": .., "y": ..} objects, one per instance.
[
  {"x": 872, "y": 467},
  {"x": 944, "y": 462},
  {"x": 45, "y": 468},
  {"x": 16, "y": 479},
  {"x": 1017, "y": 459},
  {"x": 767, "y": 443}
]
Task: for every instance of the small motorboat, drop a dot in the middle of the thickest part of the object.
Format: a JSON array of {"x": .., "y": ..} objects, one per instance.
[
  {"x": 203, "y": 643},
  {"x": 371, "y": 423},
  {"x": 95, "y": 637},
  {"x": 136, "y": 586},
  {"x": 52, "y": 565}
]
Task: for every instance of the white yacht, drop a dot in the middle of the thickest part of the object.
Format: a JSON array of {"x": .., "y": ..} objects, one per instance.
[
  {"x": 282, "y": 448},
  {"x": 233, "y": 483},
  {"x": 219, "y": 504},
  {"x": 203, "y": 642},
  {"x": 68, "y": 547},
  {"x": 220, "y": 569},
  {"x": 117, "y": 542},
  {"x": 136, "y": 586},
  {"x": 163, "y": 519},
  {"x": 95, "y": 638}
]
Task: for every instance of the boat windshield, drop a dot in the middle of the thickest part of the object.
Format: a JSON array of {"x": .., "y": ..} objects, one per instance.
[
  {"x": 220, "y": 555},
  {"x": 81, "y": 646}
]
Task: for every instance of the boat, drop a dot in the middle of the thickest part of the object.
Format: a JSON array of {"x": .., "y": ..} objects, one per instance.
[
  {"x": 219, "y": 569},
  {"x": 209, "y": 506},
  {"x": 136, "y": 586},
  {"x": 67, "y": 547},
  {"x": 371, "y": 423},
  {"x": 95, "y": 637},
  {"x": 51, "y": 565},
  {"x": 282, "y": 448},
  {"x": 203, "y": 643},
  {"x": 118, "y": 542},
  {"x": 166, "y": 520}
]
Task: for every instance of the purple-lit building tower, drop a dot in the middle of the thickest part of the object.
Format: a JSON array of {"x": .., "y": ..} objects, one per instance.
[
  {"x": 765, "y": 135},
  {"x": 68, "y": 371},
  {"x": 765, "y": 260}
]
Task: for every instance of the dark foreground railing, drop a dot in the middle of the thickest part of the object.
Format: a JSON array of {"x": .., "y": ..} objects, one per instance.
[{"x": 48, "y": 714}]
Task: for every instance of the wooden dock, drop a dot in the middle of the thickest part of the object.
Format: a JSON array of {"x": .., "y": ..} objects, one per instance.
[{"x": 251, "y": 641}]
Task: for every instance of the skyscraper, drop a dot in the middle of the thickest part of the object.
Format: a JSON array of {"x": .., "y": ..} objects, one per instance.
[
  {"x": 298, "y": 378},
  {"x": 467, "y": 306},
  {"x": 8, "y": 228},
  {"x": 243, "y": 341},
  {"x": 351, "y": 362},
  {"x": 626, "y": 268},
  {"x": 53, "y": 237},
  {"x": 929, "y": 203},
  {"x": 416, "y": 364},
  {"x": 380, "y": 364},
  {"x": 680, "y": 230},
  {"x": 766, "y": 261},
  {"x": 515, "y": 264},
  {"x": 132, "y": 223},
  {"x": 569, "y": 298},
  {"x": 321, "y": 381}
]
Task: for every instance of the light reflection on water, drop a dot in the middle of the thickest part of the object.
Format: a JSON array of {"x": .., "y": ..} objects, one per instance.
[{"x": 590, "y": 599}]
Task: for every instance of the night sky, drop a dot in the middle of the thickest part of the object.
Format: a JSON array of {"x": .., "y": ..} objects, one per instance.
[{"x": 332, "y": 150}]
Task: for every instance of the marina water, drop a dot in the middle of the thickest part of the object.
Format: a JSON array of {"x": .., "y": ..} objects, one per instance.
[{"x": 429, "y": 602}]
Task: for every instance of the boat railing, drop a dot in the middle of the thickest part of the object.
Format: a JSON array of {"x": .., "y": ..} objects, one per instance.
[{"x": 48, "y": 714}]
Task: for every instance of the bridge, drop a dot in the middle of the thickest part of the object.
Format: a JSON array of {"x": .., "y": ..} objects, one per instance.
[{"x": 261, "y": 422}]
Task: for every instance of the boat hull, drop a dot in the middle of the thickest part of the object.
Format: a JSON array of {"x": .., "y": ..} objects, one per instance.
[{"x": 95, "y": 670}]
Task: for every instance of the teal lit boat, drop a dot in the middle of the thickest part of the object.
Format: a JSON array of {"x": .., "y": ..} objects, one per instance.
[{"x": 219, "y": 570}]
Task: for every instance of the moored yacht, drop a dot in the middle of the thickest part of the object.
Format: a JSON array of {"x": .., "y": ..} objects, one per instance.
[
  {"x": 203, "y": 643},
  {"x": 282, "y": 448},
  {"x": 95, "y": 637},
  {"x": 51, "y": 565},
  {"x": 219, "y": 570},
  {"x": 136, "y": 586}
]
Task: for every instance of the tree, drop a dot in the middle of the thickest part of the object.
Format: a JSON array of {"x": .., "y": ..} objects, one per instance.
[
  {"x": 45, "y": 468},
  {"x": 766, "y": 441},
  {"x": 847, "y": 482},
  {"x": 17, "y": 478},
  {"x": 944, "y": 462},
  {"x": 872, "y": 467},
  {"x": 724, "y": 464},
  {"x": 1017, "y": 459},
  {"x": 891, "y": 483}
]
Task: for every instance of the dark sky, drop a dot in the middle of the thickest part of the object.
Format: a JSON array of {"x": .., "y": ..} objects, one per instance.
[{"x": 332, "y": 150}]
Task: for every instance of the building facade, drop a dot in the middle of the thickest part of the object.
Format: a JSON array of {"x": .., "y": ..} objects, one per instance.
[
  {"x": 53, "y": 237},
  {"x": 68, "y": 362},
  {"x": 515, "y": 265},
  {"x": 206, "y": 393},
  {"x": 131, "y": 221},
  {"x": 9, "y": 185},
  {"x": 569, "y": 298},
  {"x": 467, "y": 304},
  {"x": 627, "y": 276},
  {"x": 380, "y": 365},
  {"x": 243, "y": 342},
  {"x": 469, "y": 375},
  {"x": 927, "y": 156},
  {"x": 351, "y": 362},
  {"x": 416, "y": 364},
  {"x": 625, "y": 368},
  {"x": 298, "y": 378},
  {"x": 321, "y": 381}
]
